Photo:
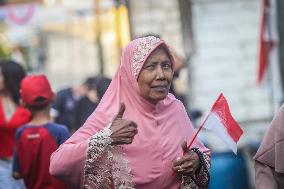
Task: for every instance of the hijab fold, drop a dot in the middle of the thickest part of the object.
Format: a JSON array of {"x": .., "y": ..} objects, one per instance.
[{"x": 271, "y": 150}]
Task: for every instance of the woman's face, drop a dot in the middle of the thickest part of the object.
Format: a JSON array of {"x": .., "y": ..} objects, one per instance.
[{"x": 156, "y": 76}]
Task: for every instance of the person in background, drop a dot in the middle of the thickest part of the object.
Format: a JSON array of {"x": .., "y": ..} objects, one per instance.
[
  {"x": 12, "y": 116},
  {"x": 36, "y": 140},
  {"x": 269, "y": 164},
  {"x": 63, "y": 108},
  {"x": 87, "y": 104},
  {"x": 102, "y": 84},
  {"x": 136, "y": 137}
]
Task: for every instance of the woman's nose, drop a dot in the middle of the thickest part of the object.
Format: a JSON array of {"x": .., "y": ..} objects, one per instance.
[{"x": 160, "y": 72}]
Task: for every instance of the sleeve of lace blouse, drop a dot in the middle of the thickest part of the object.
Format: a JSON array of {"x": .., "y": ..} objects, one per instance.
[
  {"x": 98, "y": 143},
  {"x": 201, "y": 179},
  {"x": 98, "y": 154},
  {"x": 69, "y": 160}
]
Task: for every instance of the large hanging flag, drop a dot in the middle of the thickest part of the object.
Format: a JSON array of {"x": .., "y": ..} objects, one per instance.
[
  {"x": 221, "y": 122},
  {"x": 267, "y": 39},
  {"x": 268, "y": 73}
]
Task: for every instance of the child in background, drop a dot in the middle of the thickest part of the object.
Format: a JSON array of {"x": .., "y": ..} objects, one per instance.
[{"x": 37, "y": 140}]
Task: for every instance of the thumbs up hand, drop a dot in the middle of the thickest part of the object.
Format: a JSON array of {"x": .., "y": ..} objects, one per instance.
[{"x": 123, "y": 130}]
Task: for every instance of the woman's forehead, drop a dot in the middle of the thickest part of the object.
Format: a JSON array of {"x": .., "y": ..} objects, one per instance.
[{"x": 158, "y": 53}]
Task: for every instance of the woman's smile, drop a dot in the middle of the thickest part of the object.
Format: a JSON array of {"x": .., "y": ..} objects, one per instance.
[{"x": 160, "y": 88}]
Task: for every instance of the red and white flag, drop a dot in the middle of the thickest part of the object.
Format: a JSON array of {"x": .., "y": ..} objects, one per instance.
[
  {"x": 267, "y": 40},
  {"x": 268, "y": 73},
  {"x": 221, "y": 122}
]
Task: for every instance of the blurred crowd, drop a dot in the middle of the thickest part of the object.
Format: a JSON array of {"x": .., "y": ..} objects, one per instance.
[
  {"x": 73, "y": 105},
  {"x": 27, "y": 102}
]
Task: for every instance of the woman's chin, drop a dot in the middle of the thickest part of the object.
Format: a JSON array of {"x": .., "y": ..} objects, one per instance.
[{"x": 157, "y": 98}]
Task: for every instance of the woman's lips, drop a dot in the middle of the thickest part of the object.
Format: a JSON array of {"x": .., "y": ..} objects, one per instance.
[{"x": 160, "y": 88}]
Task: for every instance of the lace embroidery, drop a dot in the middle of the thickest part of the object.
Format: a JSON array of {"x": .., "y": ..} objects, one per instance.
[
  {"x": 200, "y": 180},
  {"x": 142, "y": 49},
  {"x": 120, "y": 169},
  {"x": 97, "y": 161},
  {"x": 105, "y": 164}
]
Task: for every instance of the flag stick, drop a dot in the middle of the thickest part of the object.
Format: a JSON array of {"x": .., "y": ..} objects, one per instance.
[
  {"x": 199, "y": 129},
  {"x": 192, "y": 140}
]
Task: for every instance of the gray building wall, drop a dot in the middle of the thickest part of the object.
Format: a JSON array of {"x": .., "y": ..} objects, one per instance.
[
  {"x": 226, "y": 37},
  {"x": 70, "y": 60},
  {"x": 157, "y": 17}
]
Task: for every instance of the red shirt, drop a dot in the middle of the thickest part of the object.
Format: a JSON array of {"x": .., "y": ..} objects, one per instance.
[
  {"x": 8, "y": 129},
  {"x": 34, "y": 146}
]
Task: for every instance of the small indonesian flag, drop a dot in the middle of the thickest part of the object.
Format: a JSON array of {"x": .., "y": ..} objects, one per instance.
[{"x": 221, "y": 122}]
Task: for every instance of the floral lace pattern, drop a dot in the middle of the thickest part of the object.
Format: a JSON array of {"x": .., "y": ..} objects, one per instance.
[
  {"x": 201, "y": 179},
  {"x": 142, "y": 49},
  {"x": 105, "y": 165},
  {"x": 120, "y": 169},
  {"x": 98, "y": 160}
]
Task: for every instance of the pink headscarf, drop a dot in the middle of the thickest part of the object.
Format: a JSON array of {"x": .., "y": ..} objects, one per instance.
[
  {"x": 124, "y": 85},
  {"x": 161, "y": 127}
]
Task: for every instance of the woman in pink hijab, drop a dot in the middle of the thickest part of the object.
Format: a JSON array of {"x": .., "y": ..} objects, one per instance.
[
  {"x": 269, "y": 164},
  {"x": 136, "y": 138}
]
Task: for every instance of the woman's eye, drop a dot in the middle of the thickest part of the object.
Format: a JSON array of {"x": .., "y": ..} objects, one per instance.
[
  {"x": 166, "y": 66},
  {"x": 151, "y": 66}
]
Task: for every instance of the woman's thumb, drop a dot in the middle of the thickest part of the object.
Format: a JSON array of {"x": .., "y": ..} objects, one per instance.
[{"x": 121, "y": 110}]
